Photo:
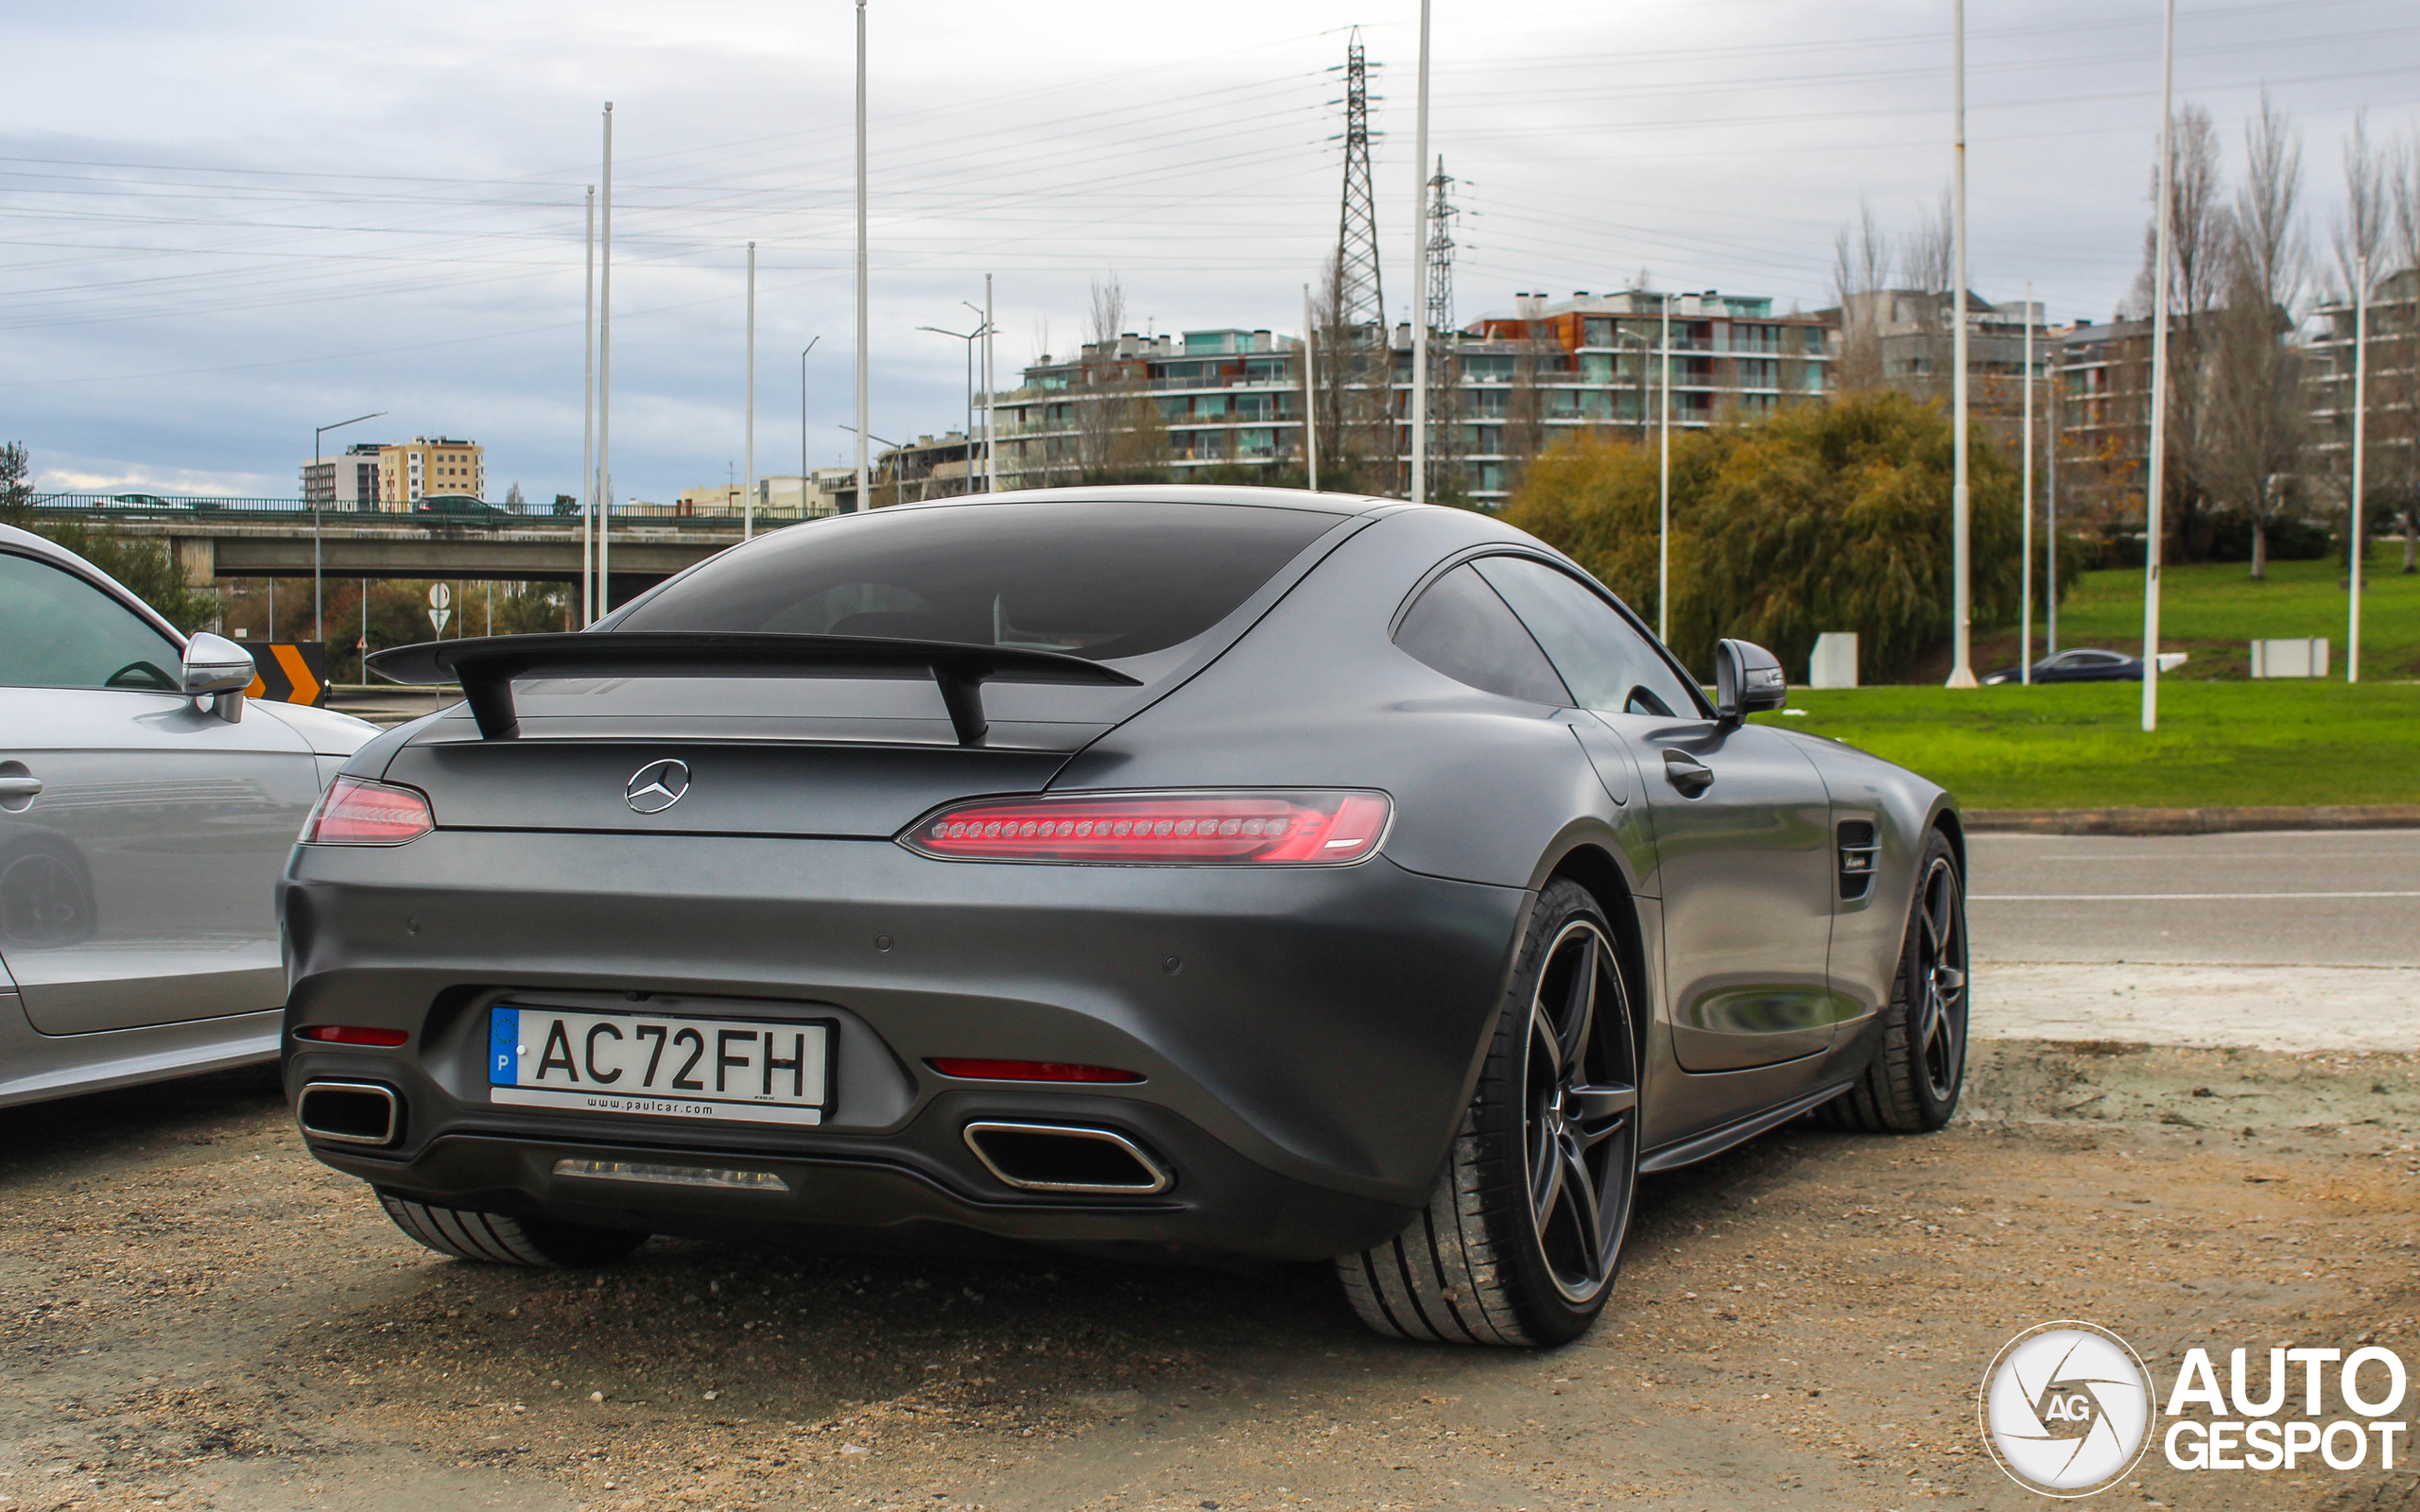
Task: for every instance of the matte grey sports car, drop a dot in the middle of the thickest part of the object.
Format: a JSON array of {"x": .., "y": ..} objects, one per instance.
[{"x": 1183, "y": 871}]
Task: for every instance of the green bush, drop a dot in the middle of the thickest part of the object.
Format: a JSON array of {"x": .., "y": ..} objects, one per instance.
[{"x": 1821, "y": 517}]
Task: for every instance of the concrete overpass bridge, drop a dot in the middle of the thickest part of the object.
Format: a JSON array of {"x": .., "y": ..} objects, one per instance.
[{"x": 214, "y": 539}]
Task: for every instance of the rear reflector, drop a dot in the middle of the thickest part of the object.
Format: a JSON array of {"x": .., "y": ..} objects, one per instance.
[
  {"x": 347, "y": 1034},
  {"x": 355, "y": 811},
  {"x": 1244, "y": 828},
  {"x": 673, "y": 1176},
  {"x": 974, "y": 1070}
]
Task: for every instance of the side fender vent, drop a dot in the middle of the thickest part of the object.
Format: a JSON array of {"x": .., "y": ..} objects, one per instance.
[{"x": 1857, "y": 848}]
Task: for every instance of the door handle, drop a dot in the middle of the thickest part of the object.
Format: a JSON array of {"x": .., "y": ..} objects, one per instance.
[
  {"x": 1687, "y": 773},
  {"x": 20, "y": 786},
  {"x": 17, "y": 787}
]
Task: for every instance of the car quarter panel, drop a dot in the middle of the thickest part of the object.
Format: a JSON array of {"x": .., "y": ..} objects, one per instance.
[{"x": 1867, "y": 932}]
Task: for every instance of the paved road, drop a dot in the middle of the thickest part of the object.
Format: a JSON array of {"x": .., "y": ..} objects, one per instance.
[{"x": 2278, "y": 941}]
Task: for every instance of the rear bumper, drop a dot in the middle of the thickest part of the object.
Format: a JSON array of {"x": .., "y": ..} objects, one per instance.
[{"x": 1307, "y": 1035}]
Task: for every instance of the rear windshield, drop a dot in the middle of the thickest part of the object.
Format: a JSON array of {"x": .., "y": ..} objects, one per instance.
[{"x": 1101, "y": 580}]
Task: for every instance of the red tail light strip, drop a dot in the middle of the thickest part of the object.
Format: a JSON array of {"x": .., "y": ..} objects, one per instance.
[
  {"x": 347, "y": 1034},
  {"x": 971, "y": 1068},
  {"x": 355, "y": 810},
  {"x": 1245, "y": 827}
]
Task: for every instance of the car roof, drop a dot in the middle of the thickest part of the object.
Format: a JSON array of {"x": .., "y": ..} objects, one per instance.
[{"x": 1336, "y": 504}]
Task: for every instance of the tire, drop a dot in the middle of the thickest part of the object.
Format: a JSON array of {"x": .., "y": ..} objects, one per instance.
[
  {"x": 1913, "y": 1083},
  {"x": 1552, "y": 1128},
  {"x": 493, "y": 1239}
]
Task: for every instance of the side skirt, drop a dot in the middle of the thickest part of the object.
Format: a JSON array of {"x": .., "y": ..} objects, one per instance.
[{"x": 1714, "y": 1141}]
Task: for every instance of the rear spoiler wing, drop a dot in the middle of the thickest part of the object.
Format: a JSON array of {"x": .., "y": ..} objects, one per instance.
[{"x": 486, "y": 667}]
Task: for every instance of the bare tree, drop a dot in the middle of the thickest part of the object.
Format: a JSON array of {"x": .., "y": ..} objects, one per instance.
[
  {"x": 1928, "y": 254},
  {"x": 2199, "y": 228},
  {"x": 2253, "y": 397},
  {"x": 1860, "y": 269},
  {"x": 2395, "y": 367},
  {"x": 1121, "y": 435}
]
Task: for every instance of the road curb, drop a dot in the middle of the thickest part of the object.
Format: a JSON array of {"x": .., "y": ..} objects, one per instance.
[{"x": 2192, "y": 821}]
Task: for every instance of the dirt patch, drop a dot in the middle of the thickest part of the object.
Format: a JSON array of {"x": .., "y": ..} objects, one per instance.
[{"x": 196, "y": 1314}]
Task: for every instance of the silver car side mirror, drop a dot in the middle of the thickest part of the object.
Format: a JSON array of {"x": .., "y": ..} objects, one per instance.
[{"x": 218, "y": 669}]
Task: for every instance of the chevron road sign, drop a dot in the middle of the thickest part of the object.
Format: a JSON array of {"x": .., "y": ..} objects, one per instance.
[{"x": 290, "y": 672}]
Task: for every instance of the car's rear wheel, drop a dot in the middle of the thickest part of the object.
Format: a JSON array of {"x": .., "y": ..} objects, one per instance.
[
  {"x": 1523, "y": 1235},
  {"x": 493, "y": 1239},
  {"x": 1913, "y": 1083}
]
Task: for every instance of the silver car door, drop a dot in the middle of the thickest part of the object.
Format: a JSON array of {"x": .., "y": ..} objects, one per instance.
[{"x": 141, "y": 836}]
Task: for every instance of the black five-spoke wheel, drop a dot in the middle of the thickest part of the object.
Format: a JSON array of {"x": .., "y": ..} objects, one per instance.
[{"x": 1579, "y": 1107}]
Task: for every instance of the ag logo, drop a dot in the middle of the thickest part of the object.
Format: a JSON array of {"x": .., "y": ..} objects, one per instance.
[{"x": 2067, "y": 1409}]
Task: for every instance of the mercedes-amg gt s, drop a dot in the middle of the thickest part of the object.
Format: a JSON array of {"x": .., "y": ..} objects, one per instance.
[{"x": 1181, "y": 870}]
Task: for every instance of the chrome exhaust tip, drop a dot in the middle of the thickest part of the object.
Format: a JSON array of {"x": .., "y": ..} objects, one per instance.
[
  {"x": 1061, "y": 1158},
  {"x": 350, "y": 1112}
]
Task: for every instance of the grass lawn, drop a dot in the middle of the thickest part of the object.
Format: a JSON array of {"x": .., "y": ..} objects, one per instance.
[
  {"x": 2213, "y": 611},
  {"x": 2081, "y": 745}
]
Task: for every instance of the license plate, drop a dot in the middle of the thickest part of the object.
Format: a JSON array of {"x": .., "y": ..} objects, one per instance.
[{"x": 744, "y": 1069}]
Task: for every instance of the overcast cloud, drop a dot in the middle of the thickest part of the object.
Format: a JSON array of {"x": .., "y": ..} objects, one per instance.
[{"x": 221, "y": 225}]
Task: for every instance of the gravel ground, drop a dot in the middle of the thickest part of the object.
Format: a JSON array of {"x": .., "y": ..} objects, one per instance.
[{"x": 196, "y": 1314}]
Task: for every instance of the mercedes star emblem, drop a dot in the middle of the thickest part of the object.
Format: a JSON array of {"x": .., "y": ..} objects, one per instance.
[{"x": 657, "y": 786}]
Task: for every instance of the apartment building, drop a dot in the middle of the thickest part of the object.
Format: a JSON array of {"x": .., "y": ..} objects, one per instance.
[
  {"x": 1504, "y": 389},
  {"x": 347, "y": 482},
  {"x": 427, "y": 465}
]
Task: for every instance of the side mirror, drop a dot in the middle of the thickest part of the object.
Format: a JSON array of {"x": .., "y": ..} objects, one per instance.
[
  {"x": 218, "y": 669},
  {"x": 1747, "y": 680}
]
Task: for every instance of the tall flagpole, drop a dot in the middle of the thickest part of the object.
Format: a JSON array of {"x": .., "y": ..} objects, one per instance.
[
  {"x": 588, "y": 428},
  {"x": 2025, "y": 531},
  {"x": 2158, "y": 483},
  {"x": 605, "y": 383},
  {"x": 990, "y": 388},
  {"x": 2361, "y": 423},
  {"x": 1664, "y": 490},
  {"x": 865, "y": 482},
  {"x": 748, "y": 507},
  {"x": 1419, "y": 278},
  {"x": 1961, "y": 672},
  {"x": 1310, "y": 400}
]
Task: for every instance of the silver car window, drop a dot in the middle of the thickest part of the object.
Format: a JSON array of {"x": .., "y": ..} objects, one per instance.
[
  {"x": 58, "y": 631},
  {"x": 1608, "y": 666}
]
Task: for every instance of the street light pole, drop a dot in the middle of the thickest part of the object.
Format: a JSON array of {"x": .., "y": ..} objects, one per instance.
[
  {"x": 319, "y": 620},
  {"x": 747, "y": 504},
  {"x": 865, "y": 485},
  {"x": 990, "y": 475},
  {"x": 2158, "y": 481},
  {"x": 990, "y": 397},
  {"x": 1664, "y": 491},
  {"x": 803, "y": 468},
  {"x": 2024, "y": 530},
  {"x": 1310, "y": 399},
  {"x": 2360, "y": 424},
  {"x": 588, "y": 428},
  {"x": 1961, "y": 671},
  {"x": 1419, "y": 277},
  {"x": 605, "y": 383},
  {"x": 970, "y": 337}
]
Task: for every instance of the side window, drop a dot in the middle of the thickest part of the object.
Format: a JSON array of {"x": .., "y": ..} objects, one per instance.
[
  {"x": 58, "y": 631},
  {"x": 1460, "y": 627},
  {"x": 1607, "y": 665}
]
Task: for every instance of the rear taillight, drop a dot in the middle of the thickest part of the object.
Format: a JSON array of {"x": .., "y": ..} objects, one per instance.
[
  {"x": 350, "y": 1034},
  {"x": 355, "y": 811},
  {"x": 1238, "y": 829}
]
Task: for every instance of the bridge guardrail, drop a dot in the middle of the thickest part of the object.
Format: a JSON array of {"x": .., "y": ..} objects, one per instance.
[{"x": 152, "y": 508}]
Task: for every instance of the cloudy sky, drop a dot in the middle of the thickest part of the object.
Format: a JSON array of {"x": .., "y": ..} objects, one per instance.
[{"x": 222, "y": 224}]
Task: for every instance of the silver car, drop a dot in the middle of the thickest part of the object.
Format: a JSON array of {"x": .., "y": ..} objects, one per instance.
[{"x": 146, "y": 808}]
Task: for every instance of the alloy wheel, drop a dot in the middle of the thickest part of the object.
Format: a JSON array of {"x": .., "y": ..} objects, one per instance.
[
  {"x": 1579, "y": 1123},
  {"x": 1941, "y": 981}
]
